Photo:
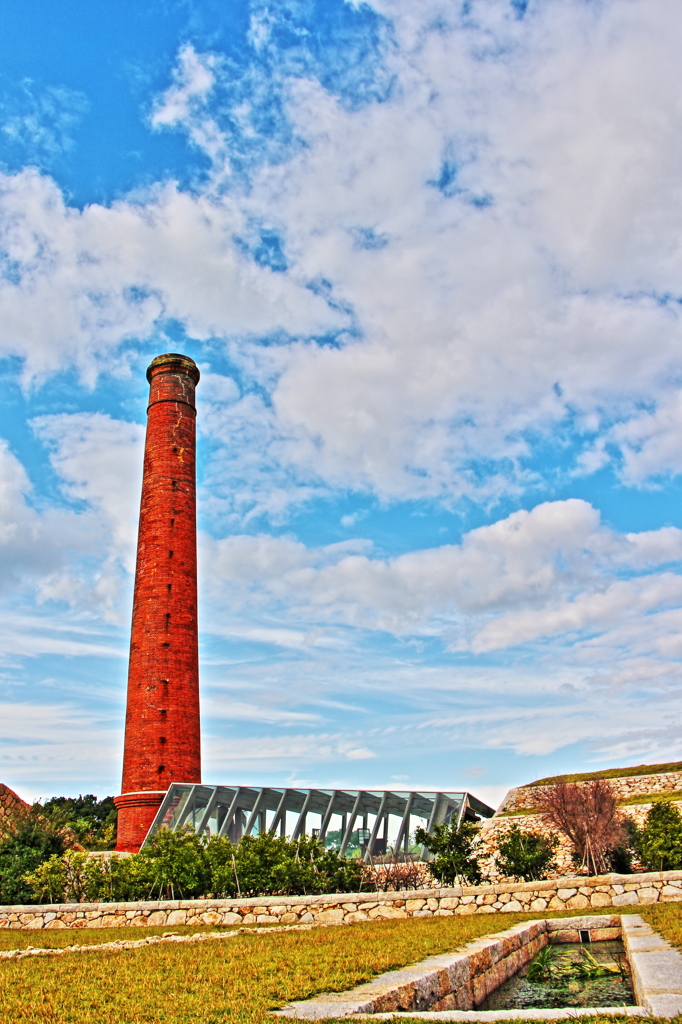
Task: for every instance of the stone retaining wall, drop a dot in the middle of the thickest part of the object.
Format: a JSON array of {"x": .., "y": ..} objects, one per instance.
[
  {"x": 519, "y": 807},
  {"x": 494, "y": 830},
  {"x": 454, "y": 981},
  {"x": 656, "y": 968},
  {"x": 523, "y": 798},
  {"x": 9, "y": 802},
  {"x": 557, "y": 894}
]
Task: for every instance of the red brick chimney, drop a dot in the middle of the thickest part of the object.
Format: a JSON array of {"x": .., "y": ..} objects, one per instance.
[{"x": 162, "y": 736}]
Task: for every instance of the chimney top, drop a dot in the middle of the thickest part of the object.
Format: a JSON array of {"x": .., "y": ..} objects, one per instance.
[{"x": 174, "y": 361}]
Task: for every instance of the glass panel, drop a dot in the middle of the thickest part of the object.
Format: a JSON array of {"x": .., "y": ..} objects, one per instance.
[{"x": 186, "y": 804}]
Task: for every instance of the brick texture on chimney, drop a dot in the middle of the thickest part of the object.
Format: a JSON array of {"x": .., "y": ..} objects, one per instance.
[{"x": 162, "y": 734}]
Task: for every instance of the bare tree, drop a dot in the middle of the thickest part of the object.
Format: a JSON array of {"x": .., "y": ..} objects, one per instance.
[{"x": 587, "y": 813}]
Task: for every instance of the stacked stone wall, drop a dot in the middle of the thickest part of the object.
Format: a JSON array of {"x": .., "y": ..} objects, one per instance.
[
  {"x": 520, "y": 807},
  {"x": 495, "y": 830},
  {"x": 525, "y": 798},
  {"x": 345, "y": 908},
  {"x": 9, "y": 802}
]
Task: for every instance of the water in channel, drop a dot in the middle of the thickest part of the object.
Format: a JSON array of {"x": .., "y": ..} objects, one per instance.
[{"x": 566, "y": 989}]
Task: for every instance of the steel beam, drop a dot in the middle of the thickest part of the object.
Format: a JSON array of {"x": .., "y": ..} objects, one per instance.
[
  {"x": 351, "y": 821},
  {"x": 375, "y": 830},
  {"x": 327, "y": 817},
  {"x": 187, "y": 809},
  {"x": 300, "y": 824},
  {"x": 255, "y": 811},
  {"x": 432, "y": 821},
  {"x": 281, "y": 812},
  {"x": 210, "y": 807},
  {"x": 230, "y": 812},
  {"x": 404, "y": 829}
]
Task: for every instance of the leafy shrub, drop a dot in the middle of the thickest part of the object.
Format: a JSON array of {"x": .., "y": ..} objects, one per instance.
[
  {"x": 92, "y": 821},
  {"x": 659, "y": 842},
  {"x": 267, "y": 864},
  {"x": 185, "y": 865},
  {"x": 177, "y": 863},
  {"x": 526, "y": 855},
  {"x": 76, "y": 878},
  {"x": 28, "y": 840},
  {"x": 454, "y": 850}
]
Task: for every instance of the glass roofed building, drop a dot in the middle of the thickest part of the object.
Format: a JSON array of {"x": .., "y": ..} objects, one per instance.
[{"x": 371, "y": 822}]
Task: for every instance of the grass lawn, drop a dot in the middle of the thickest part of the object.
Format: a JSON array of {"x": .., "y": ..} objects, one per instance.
[
  {"x": 239, "y": 980},
  {"x": 611, "y": 773},
  {"x": 11, "y": 939}
]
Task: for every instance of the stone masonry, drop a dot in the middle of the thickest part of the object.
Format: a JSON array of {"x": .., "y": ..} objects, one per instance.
[
  {"x": 9, "y": 802},
  {"x": 558, "y": 894},
  {"x": 453, "y": 981},
  {"x": 523, "y": 798},
  {"x": 519, "y": 807}
]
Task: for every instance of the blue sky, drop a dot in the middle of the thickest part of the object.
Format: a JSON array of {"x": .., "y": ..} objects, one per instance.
[{"x": 427, "y": 256}]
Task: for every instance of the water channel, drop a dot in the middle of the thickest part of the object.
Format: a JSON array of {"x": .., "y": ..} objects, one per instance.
[{"x": 561, "y": 985}]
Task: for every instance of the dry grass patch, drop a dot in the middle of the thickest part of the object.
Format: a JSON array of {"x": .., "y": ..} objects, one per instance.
[
  {"x": 11, "y": 938},
  {"x": 239, "y": 980},
  {"x": 665, "y": 918},
  {"x": 610, "y": 773}
]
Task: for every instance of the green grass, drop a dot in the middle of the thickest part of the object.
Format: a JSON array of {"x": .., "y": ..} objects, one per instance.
[
  {"x": 666, "y": 918},
  {"x": 640, "y": 798},
  {"x": 239, "y": 980},
  {"x": 610, "y": 773},
  {"x": 522, "y": 812},
  {"x": 651, "y": 798}
]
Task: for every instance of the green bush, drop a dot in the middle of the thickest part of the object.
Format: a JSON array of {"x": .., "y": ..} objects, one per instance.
[
  {"x": 659, "y": 842},
  {"x": 620, "y": 858},
  {"x": 267, "y": 864},
  {"x": 92, "y": 821},
  {"x": 454, "y": 852},
  {"x": 526, "y": 855},
  {"x": 77, "y": 878},
  {"x": 184, "y": 865},
  {"x": 178, "y": 864},
  {"x": 28, "y": 840}
]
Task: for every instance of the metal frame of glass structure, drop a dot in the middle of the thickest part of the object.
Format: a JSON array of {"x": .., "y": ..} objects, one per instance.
[{"x": 236, "y": 811}]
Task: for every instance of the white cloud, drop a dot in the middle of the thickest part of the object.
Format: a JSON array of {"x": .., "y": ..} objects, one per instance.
[
  {"x": 37, "y": 548},
  {"x": 70, "y": 634},
  {"x": 650, "y": 441},
  {"x": 41, "y": 122},
  {"x": 99, "y": 460},
  {"x": 624, "y": 600},
  {"x": 194, "y": 79},
  {"x": 76, "y": 284},
  {"x": 471, "y": 314},
  {"x": 522, "y": 290},
  {"x": 534, "y": 574},
  {"x": 260, "y": 753},
  {"x": 50, "y": 743},
  {"x": 529, "y": 710}
]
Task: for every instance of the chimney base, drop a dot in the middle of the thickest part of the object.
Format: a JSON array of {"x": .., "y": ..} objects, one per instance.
[{"x": 136, "y": 812}]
